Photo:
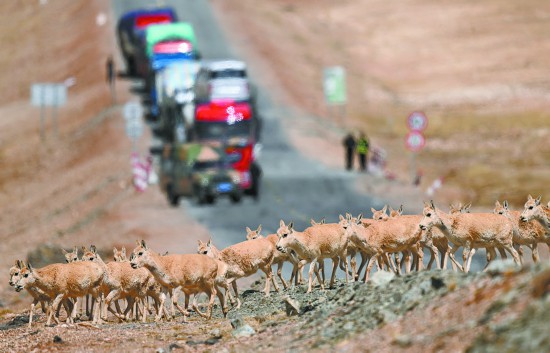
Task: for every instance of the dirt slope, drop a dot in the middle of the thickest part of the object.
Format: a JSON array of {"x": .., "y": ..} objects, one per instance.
[
  {"x": 75, "y": 190},
  {"x": 477, "y": 70}
]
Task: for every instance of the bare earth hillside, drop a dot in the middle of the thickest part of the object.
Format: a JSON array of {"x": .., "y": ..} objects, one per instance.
[{"x": 478, "y": 69}]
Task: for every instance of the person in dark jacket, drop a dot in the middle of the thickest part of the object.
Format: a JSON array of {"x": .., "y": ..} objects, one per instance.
[{"x": 349, "y": 145}]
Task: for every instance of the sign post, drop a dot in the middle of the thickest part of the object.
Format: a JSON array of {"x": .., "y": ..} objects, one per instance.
[
  {"x": 133, "y": 115},
  {"x": 415, "y": 140},
  {"x": 334, "y": 87}
]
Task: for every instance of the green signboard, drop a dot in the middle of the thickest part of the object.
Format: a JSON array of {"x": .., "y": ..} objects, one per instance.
[{"x": 334, "y": 85}]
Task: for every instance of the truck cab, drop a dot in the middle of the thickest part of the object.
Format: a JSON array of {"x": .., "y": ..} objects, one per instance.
[{"x": 235, "y": 127}]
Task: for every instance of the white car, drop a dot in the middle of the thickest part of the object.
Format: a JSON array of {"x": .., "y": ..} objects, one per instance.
[{"x": 222, "y": 79}]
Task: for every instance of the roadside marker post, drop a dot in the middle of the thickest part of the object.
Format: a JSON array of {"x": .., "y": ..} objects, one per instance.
[{"x": 133, "y": 115}]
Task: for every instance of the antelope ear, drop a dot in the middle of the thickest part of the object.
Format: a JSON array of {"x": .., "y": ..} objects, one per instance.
[
  {"x": 537, "y": 201},
  {"x": 209, "y": 242},
  {"x": 505, "y": 204},
  {"x": 432, "y": 204},
  {"x": 65, "y": 252},
  {"x": 400, "y": 209},
  {"x": 138, "y": 243},
  {"x": 93, "y": 249},
  {"x": 19, "y": 264},
  {"x": 75, "y": 249},
  {"x": 342, "y": 218},
  {"x": 372, "y": 210},
  {"x": 114, "y": 250},
  {"x": 312, "y": 222},
  {"x": 497, "y": 203},
  {"x": 29, "y": 266},
  {"x": 322, "y": 221},
  {"x": 248, "y": 230},
  {"x": 385, "y": 208},
  {"x": 281, "y": 223},
  {"x": 143, "y": 244},
  {"x": 259, "y": 229},
  {"x": 291, "y": 226},
  {"x": 84, "y": 249},
  {"x": 123, "y": 251},
  {"x": 529, "y": 197},
  {"x": 199, "y": 242},
  {"x": 359, "y": 218}
]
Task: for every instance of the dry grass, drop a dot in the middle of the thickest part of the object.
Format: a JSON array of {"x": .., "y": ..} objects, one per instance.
[{"x": 477, "y": 69}]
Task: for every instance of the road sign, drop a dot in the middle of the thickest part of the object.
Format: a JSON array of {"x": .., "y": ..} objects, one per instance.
[
  {"x": 334, "y": 85},
  {"x": 48, "y": 94},
  {"x": 417, "y": 121},
  {"x": 133, "y": 111},
  {"x": 415, "y": 141}
]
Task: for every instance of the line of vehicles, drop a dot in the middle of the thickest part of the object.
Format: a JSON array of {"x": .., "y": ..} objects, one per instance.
[{"x": 204, "y": 111}]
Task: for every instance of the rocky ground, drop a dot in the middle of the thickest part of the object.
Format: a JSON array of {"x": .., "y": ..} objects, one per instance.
[
  {"x": 75, "y": 189},
  {"x": 502, "y": 310}
]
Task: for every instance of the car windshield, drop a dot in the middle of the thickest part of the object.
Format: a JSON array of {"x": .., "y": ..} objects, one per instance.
[
  {"x": 203, "y": 165},
  {"x": 221, "y": 130},
  {"x": 228, "y": 73}
]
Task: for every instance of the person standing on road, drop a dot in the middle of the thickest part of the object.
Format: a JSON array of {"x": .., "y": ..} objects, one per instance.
[
  {"x": 349, "y": 145},
  {"x": 363, "y": 151}
]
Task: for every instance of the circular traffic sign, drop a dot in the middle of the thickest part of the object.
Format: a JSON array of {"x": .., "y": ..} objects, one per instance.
[
  {"x": 415, "y": 141},
  {"x": 133, "y": 111},
  {"x": 417, "y": 121}
]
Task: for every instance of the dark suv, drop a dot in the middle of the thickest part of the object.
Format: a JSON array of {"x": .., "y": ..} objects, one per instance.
[{"x": 200, "y": 171}]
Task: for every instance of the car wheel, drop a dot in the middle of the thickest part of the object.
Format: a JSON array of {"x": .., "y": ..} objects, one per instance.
[
  {"x": 199, "y": 195},
  {"x": 210, "y": 199},
  {"x": 235, "y": 198},
  {"x": 173, "y": 198}
]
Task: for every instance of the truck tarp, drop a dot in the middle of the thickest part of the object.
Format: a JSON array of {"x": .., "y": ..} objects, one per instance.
[
  {"x": 192, "y": 152},
  {"x": 169, "y": 31}
]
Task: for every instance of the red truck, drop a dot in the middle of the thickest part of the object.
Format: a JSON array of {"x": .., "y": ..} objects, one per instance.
[{"x": 234, "y": 125}]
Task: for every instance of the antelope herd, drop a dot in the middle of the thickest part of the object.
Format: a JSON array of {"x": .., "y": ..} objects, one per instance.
[{"x": 393, "y": 242}]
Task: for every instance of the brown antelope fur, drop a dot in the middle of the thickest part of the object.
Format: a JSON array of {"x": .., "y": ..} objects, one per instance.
[
  {"x": 244, "y": 259},
  {"x": 119, "y": 255},
  {"x": 314, "y": 244},
  {"x": 381, "y": 215},
  {"x": 529, "y": 233},
  {"x": 490, "y": 251},
  {"x": 434, "y": 243},
  {"x": 37, "y": 294},
  {"x": 190, "y": 273},
  {"x": 222, "y": 279},
  {"x": 533, "y": 209},
  {"x": 470, "y": 230},
  {"x": 82, "y": 303},
  {"x": 279, "y": 257},
  {"x": 71, "y": 256},
  {"x": 124, "y": 282},
  {"x": 390, "y": 236},
  {"x": 64, "y": 281},
  {"x": 351, "y": 251}
]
